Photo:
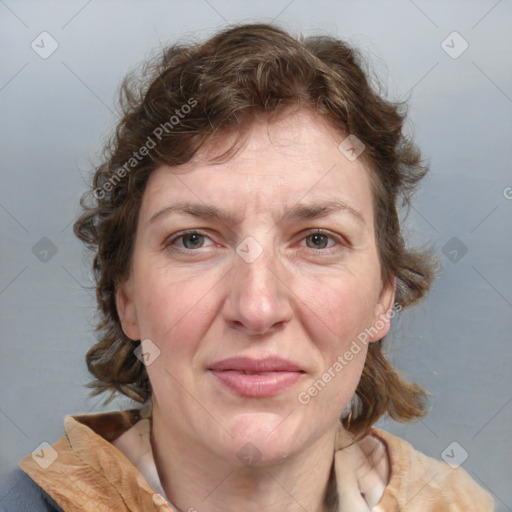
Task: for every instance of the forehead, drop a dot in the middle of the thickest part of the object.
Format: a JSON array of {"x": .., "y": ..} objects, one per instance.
[{"x": 292, "y": 160}]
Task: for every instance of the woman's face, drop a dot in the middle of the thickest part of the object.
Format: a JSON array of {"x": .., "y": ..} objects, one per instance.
[{"x": 251, "y": 279}]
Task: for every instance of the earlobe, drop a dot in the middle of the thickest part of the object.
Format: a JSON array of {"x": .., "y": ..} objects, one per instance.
[
  {"x": 384, "y": 310},
  {"x": 126, "y": 310}
]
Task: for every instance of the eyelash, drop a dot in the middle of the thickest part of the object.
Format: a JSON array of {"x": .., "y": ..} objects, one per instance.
[{"x": 168, "y": 243}]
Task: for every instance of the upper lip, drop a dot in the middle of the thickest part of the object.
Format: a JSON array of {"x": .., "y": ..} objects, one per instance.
[{"x": 249, "y": 364}]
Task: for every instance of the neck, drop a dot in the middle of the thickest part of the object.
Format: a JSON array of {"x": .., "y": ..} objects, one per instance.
[{"x": 198, "y": 480}]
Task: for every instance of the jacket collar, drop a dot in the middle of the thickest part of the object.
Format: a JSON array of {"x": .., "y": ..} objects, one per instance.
[
  {"x": 355, "y": 465},
  {"x": 83, "y": 471},
  {"x": 84, "y": 465}
]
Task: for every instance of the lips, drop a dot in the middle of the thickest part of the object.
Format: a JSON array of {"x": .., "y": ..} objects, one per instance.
[
  {"x": 268, "y": 364},
  {"x": 257, "y": 378}
]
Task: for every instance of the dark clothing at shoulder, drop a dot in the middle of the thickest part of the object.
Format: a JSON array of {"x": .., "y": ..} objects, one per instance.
[{"x": 26, "y": 496}]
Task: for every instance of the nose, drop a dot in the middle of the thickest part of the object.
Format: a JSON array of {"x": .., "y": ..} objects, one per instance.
[{"x": 258, "y": 300}]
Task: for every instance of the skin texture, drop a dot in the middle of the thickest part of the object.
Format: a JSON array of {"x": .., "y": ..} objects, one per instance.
[{"x": 199, "y": 301}]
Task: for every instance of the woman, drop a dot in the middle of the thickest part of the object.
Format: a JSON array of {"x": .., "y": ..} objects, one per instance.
[{"x": 249, "y": 261}]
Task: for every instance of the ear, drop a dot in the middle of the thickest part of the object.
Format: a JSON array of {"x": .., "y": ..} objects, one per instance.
[
  {"x": 383, "y": 311},
  {"x": 126, "y": 309}
]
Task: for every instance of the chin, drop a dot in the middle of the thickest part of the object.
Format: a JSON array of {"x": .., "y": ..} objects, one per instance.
[{"x": 264, "y": 439}]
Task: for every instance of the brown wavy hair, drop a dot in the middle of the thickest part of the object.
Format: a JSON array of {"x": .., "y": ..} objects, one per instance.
[{"x": 192, "y": 93}]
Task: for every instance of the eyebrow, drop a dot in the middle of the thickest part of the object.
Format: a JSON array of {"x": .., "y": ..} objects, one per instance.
[
  {"x": 317, "y": 210},
  {"x": 299, "y": 211}
]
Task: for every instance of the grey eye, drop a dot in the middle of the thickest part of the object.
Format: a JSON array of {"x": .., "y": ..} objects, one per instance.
[
  {"x": 318, "y": 241},
  {"x": 193, "y": 241}
]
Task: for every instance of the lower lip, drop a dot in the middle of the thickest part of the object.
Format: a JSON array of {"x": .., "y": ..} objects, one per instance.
[{"x": 259, "y": 385}]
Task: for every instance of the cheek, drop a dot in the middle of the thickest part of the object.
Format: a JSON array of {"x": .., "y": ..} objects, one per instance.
[
  {"x": 173, "y": 312},
  {"x": 159, "y": 313},
  {"x": 176, "y": 324},
  {"x": 334, "y": 319},
  {"x": 337, "y": 312}
]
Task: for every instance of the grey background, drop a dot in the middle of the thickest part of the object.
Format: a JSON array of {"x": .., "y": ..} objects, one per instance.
[{"x": 55, "y": 113}]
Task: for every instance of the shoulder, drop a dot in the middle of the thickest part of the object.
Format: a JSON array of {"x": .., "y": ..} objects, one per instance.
[
  {"x": 426, "y": 484},
  {"x": 26, "y": 496}
]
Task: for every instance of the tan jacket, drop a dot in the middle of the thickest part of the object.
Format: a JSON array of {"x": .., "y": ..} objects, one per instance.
[{"x": 84, "y": 471}]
